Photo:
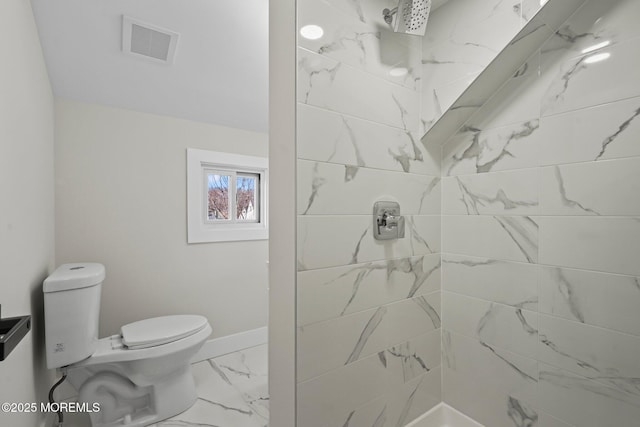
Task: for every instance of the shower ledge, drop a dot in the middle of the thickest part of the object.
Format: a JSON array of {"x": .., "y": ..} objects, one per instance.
[{"x": 529, "y": 39}]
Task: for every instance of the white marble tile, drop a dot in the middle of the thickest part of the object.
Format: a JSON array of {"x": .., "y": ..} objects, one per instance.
[
  {"x": 205, "y": 413},
  {"x": 247, "y": 371},
  {"x": 515, "y": 67},
  {"x": 414, "y": 399},
  {"x": 600, "y": 299},
  {"x": 398, "y": 406},
  {"x": 476, "y": 151},
  {"x": 605, "y": 356},
  {"x": 326, "y": 83},
  {"x": 582, "y": 402},
  {"x": 332, "y": 292},
  {"x": 334, "y": 138},
  {"x": 328, "y": 241},
  {"x": 579, "y": 83},
  {"x": 416, "y": 356},
  {"x": 441, "y": 64},
  {"x": 365, "y": 45},
  {"x": 517, "y": 101},
  {"x": 603, "y": 132},
  {"x": 509, "y": 238},
  {"x": 444, "y": 97},
  {"x": 528, "y": 9},
  {"x": 596, "y": 188},
  {"x": 359, "y": 335},
  {"x": 368, "y": 389},
  {"x": 607, "y": 244},
  {"x": 335, "y": 394},
  {"x": 558, "y": 12},
  {"x": 366, "y": 11},
  {"x": 509, "y": 283},
  {"x": 326, "y": 189},
  {"x": 489, "y": 24},
  {"x": 508, "y": 193},
  {"x": 324, "y": 346},
  {"x": 413, "y": 317},
  {"x": 595, "y": 23},
  {"x": 496, "y": 325},
  {"x": 462, "y": 38},
  {"x": 495, "y": 387},
  {"x": 547, "y": 420},
  {"x": 219, "y": 402}
]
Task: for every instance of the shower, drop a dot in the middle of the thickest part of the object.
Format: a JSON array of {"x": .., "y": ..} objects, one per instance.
[{"x": 411, "y": 16}]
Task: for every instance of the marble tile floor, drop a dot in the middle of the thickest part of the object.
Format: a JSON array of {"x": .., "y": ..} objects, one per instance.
[{"x": 232, "y": 392}]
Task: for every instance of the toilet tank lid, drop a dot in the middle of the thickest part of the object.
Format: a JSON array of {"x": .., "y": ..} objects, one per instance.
[
  {"x": 161, "y": 330},
  {"x": 74, "y": 276}
]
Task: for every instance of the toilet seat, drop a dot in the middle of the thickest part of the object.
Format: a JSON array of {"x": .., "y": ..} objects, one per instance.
[
  {"x": 112, "y": 349},
  {"x": 160, "y": 330}
]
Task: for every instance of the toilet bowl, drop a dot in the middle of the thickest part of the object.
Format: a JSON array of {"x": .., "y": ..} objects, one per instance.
[{"x": 138, "y": 377}]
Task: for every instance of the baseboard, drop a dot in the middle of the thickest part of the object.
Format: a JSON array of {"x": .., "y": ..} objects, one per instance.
[{"x": 231, "y": 343}]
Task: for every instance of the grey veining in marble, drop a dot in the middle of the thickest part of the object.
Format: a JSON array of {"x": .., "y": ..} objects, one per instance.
[
  {"x": 332, "y": 189},
  {"x": 313, "y": 72},
  {"x": 510, "y": 364},
  {"x": 428, "y": 308},
  {"x": 556, "y": 92},
  {"x": 338, "y": 291},
  {"x": 583, "y": 402},
  {"x": 568, "y": 291},
  {"x": 565, "y": 199},
  {"x": 576, "y": 82},
  {"x": 412, "y": 363},
  {"x": 611, "y": 138},
  {"x": 494, "y": 386},
  {"x": 511, "y": 238},
  {"x": 604, "y": 356},
  {"x": 523, "y": 233},
  {"x": 232, "y": 390},
  {"x": 509, "y": 283},
  {"x": 594, "y": 298},
  {"x": 483, "y": 151},
  {"x": 521, "y": 414},
  {"x": 369, "y": 329},
  {"x": 476, "y": 202},
  {"x": 336, "y": 138}
]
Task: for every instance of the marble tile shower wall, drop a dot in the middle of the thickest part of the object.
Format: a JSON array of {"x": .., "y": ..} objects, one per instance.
[
  {"x": 541, "y": 236},
  {"x": 368, "y": 312},
  {"x": 462, "y": 38}
]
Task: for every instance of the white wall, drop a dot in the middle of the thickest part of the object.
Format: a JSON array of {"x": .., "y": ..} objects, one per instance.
[
  {"x": 121, "y": 201},
  {"x": 26, "y": 203}
]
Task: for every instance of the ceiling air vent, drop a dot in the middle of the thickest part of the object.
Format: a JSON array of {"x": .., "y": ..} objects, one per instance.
[{"x": 148, "y": 41}]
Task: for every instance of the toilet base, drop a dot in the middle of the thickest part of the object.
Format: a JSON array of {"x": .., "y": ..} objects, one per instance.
[{"x": 124, "y": 403}]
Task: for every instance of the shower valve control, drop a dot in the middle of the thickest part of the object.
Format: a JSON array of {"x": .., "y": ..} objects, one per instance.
[{"x": 387, "y": 222}]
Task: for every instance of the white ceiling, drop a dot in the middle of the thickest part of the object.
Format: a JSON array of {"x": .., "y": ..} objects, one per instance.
[{"x": 220, "y": 72}]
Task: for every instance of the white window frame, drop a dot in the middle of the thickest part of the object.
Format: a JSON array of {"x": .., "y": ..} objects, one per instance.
[{"x": 199, "y": 228}]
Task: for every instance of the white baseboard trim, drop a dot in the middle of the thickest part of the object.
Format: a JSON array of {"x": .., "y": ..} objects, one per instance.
[{"x": 231, "y": 343}]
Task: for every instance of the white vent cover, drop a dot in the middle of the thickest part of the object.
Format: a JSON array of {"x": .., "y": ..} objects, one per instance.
[{"x": 148, "y": 41}]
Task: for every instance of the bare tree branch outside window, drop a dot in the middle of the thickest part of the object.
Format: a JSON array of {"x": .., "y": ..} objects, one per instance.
[
  {"x": 245, "y": 197},
  {"x": 218, "y": 200}
]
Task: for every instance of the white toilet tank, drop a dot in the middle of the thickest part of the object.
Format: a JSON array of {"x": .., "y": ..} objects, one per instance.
[{"x": 71, "y": 312}]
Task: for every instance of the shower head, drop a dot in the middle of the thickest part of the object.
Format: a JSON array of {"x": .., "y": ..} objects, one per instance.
[{"x": 410, "y": 16}]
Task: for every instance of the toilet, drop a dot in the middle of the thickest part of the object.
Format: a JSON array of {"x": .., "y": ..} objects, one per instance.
[{"x": 138, "y": 377}]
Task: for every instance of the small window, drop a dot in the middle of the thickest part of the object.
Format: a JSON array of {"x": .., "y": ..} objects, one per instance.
[{"x": 226, "y": 196}]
